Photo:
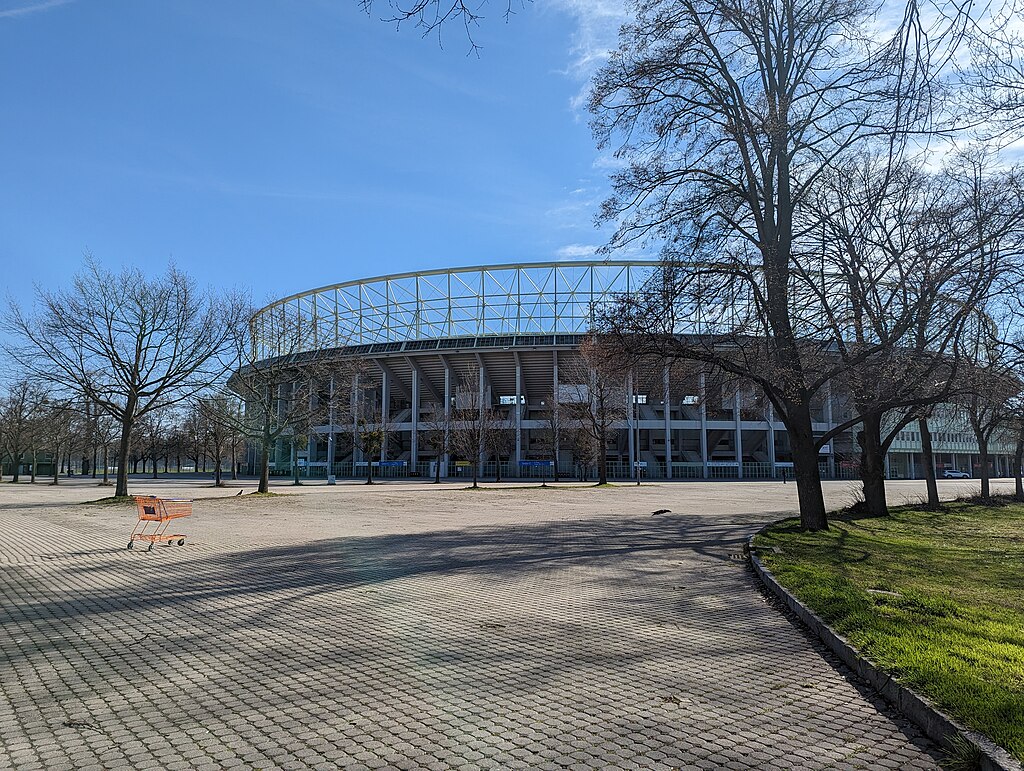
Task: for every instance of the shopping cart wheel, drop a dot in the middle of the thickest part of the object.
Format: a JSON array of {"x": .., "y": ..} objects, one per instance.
[
  {"x": 131, "y": 545},
  {"x": 170, "y": 542},
  {"x": 149, "y": 548},
  {"x": 181, "y": 542}
]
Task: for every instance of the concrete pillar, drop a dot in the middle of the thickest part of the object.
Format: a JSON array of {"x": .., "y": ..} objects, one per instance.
[
  {"x": 446, "y": 458},
  {"x": 385, "y": 410},
  {"x": 629, "y": 424},
  {"x": 518, "y": 412},
  {"x": 555, "y": 405},
  {"x": 913, "y": 468},
  {"x": 357, "y": 454},
  {"x": 830, "y": 421},
  {"x": 704, "y": 423},
  {"x": 414, "y": 438},
  {"x": 771, "y": 438},
  {"x": 738, "y": 418},
  {"x": 667, "y": 397}
]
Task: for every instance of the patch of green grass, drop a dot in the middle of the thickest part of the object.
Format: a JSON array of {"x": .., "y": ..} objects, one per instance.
[{"x": 937, "y": 598}]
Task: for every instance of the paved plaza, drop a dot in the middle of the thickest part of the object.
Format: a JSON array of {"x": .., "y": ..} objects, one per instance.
[{"x": 419, "y": 626}]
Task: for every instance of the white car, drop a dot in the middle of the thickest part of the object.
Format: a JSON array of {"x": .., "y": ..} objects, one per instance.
[{"x": 952, "y": 473}]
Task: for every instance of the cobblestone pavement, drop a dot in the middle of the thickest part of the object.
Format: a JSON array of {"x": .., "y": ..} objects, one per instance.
[{"x": 603, "y": 641}]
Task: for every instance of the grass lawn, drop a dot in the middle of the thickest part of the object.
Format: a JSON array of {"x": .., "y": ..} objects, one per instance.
[{"x": 934, "y": 597}]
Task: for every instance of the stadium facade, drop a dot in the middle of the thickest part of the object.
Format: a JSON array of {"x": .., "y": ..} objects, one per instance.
[{"x": 517, "y": 328}]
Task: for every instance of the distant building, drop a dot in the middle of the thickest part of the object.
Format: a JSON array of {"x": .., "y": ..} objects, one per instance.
[{"x": 519, "y": 326}]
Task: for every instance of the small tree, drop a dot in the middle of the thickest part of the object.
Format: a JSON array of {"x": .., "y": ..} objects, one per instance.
[
  {"x": 501, "y": 442},
  {"x": 18, "y": 411},
  {"x": 553, "y": 430},
  {"x": 435, "y": 434},
  {"x": 594, "y": 395},
  {"x": 56, "y": 428},
  {"x": 219, "y": 415},
  {"x": 472, "y": 419}
]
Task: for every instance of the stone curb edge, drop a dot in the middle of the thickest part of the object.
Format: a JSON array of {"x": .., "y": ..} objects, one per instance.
[{"x": 935, "y": 724}]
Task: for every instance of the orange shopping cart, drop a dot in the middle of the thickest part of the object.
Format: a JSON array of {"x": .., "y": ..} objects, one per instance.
[{"x": 157, "y": 513}]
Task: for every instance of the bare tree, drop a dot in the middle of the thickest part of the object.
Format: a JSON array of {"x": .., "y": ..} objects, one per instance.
[
  {"x": 728, "y": 113},
  {"x": 500, "y": 441},
  {"x": 594, "y": 395},
  {"x": 18, "y": 411},
  {"x": 554, "y": 430},
  {"x": 472, "y": 419},
  {"x": 219, "y": 415},
  {"x": 127, "y": 343},
  {"x": 55, "y": 426},
  {"x": 372, "y": 427},
  {"x": 435, "y": 432}
]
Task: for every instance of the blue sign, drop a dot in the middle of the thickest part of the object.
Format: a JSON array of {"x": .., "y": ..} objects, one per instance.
[
  {"x": 534, "y": 463},
  {"x": 391, "y": 463}
]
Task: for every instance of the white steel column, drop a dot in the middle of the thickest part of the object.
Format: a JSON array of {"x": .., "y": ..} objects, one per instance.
[
  {"x": 704, "y": 423},
  {"x": 668, "y": 422},
  {"x": 414, "y": 439}
]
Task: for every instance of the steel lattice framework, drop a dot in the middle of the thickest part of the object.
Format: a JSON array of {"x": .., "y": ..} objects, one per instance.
[{"x": 519, "y": 299}]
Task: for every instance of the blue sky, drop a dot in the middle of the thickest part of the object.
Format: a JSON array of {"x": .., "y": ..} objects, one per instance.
[{"x": 287, "y": 145}]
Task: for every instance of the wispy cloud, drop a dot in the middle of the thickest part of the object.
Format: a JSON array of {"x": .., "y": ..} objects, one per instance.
[
  {"x": 25, "y": 10},
  {"x": 575, "y": 251},
  {"x": 597, "y": 28}
]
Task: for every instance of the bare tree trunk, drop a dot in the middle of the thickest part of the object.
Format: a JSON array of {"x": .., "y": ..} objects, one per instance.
[
  {"x": 32, "y": 478},
  {"x": 106, "y": 465},
  {"x": 437, "y": 470},
  {"x": 805, "y": 468},
  {"x": 602, "y": 467},
  {"x": 56, "y": 472},
  {"x": 1018, "y": 460},
  {"x": 218, "y": 480},
  {"x": 121, "y": 486},
  {"x": 264, "y": 485},
  {"x": 497, "y": 472},
  {"x": 872, "y": 464},
  {"x": 928, "y": 459},
  {"x": 16, "y": 464},
  {"x": 986, "y": 487}
]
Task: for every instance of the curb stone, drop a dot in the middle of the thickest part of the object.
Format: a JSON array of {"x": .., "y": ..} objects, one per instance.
[{"x": 935, "y": 724}]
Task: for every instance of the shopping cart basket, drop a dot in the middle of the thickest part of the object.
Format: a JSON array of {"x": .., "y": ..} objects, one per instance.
[{"x": 155, "y": 514}]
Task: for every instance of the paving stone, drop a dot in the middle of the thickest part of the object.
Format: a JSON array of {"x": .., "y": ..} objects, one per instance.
[{"x": 541, "y": 641}]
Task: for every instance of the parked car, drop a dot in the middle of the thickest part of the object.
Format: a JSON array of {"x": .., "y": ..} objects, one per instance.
[{"x": 952, "y": 473}]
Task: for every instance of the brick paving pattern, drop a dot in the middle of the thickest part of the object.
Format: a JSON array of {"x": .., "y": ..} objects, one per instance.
[{"x": 630, "y": 641}]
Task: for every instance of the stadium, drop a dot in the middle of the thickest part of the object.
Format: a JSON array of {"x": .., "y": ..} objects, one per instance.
[{"x": 517, "y": 329}]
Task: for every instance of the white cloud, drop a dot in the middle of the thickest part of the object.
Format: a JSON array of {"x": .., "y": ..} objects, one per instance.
[
  {"x": 24, "y": 10},
  {"x": 575, "y": 251}
]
